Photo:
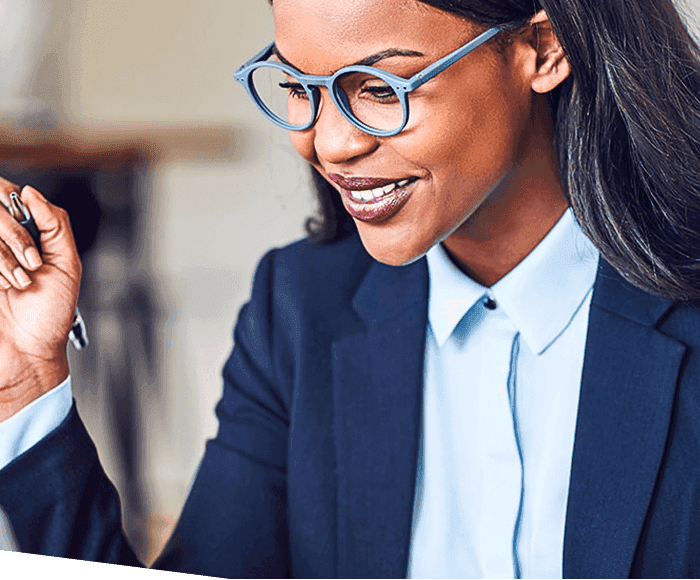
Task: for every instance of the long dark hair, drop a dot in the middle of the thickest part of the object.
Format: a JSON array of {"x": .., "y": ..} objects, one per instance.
[{"x": 627, "y": 133}]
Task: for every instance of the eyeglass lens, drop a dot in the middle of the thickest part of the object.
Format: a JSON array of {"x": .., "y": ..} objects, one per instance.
[{"x": 368, "y": 98}]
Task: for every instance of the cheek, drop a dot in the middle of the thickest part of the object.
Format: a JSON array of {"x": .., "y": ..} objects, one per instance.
[
  {"x": 466, "y": 153},
  {"x": 303, "y": 142},
  {"x": 468, "y": 137}
]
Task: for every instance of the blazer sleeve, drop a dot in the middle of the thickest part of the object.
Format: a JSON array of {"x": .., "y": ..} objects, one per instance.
[
  {"x": 60, "y": 502},
  {"x": 233, "y": 524}
]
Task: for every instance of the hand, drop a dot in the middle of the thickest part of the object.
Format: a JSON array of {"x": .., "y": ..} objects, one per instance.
[{"x": 38, "y": 296}]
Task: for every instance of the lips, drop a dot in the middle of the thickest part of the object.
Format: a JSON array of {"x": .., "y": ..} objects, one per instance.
[
  {"x": 372, "y": 199},
  {"x": 361, "y": 183}
]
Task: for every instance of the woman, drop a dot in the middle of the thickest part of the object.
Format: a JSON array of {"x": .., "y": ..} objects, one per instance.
[{"x": 509, "y": 406}]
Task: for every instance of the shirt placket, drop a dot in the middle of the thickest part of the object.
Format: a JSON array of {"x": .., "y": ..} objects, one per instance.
[{"x": 501, "y": 464}]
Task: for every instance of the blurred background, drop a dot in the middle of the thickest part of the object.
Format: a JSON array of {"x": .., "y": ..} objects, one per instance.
[{"x": 125, "y": 113}]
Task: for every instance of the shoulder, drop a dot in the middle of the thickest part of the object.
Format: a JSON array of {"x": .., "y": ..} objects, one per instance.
[
  {"x": 335, "y": 262},
  {"x": 683, "y": 324},
  {"x": 301, "y": 295},
  {"x": 677, "y": 320},
  {"x": 306, "y": 273}
]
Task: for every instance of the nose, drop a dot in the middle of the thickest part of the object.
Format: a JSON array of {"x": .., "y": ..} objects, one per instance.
[{"x": 335, "y": 139}]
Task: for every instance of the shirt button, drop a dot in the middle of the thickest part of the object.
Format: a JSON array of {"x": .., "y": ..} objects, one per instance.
[{"x": 490, "y": 303}]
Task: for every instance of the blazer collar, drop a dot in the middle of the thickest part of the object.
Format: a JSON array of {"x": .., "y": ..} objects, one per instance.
[
  {"x": 627, "y": 390},
  {"x": 387, "y": 291}
]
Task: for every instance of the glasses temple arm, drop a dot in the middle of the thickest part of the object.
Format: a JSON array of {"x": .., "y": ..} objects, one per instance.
[
  {"x": 264, "y": 54},
  {"x": 440, "y": 65}
]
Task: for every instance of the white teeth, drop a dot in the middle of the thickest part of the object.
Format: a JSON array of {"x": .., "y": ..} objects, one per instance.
[
  {"x": 367, "y": 195},
  {"x": 377, "y": 192}
]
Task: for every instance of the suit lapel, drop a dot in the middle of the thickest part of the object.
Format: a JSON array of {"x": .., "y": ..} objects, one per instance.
[
  {"x": 627, "y": 390},
  {"x": 377, "y": 381}
]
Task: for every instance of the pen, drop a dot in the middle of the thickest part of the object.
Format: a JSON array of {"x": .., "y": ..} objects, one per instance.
[{"x": 78, "y": 332}]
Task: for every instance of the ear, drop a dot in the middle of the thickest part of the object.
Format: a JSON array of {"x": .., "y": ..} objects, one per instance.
[{"x": 552, "y": 67}]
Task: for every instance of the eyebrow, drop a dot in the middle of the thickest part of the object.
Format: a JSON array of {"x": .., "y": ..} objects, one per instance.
[{"x": 367, "y": 61}]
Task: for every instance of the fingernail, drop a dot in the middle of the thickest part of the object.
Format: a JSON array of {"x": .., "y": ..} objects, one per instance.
[
  {"x": 21, "y": 277},
  {"x": 4, "y": 283},
  {"x": 33, "y": 257}
]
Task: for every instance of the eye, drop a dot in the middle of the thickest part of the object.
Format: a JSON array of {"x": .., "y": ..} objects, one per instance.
[
  {"x": 295, "y": 90},
  {"x": 378, "y": 90}
]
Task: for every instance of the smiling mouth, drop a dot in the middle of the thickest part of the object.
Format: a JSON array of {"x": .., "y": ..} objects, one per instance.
[
  {"x": 378, "y": 192},
  {"x": 368, "y": 189},
  {"x": 373, "y": 200}
]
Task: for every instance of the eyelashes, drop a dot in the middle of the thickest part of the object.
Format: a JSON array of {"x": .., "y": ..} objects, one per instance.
[
  {"x": 382, "y": 93},
  {"x": 295, "y": 90}
]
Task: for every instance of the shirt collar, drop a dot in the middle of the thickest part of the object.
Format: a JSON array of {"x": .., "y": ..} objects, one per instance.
[{"x": 540, "y": 295}]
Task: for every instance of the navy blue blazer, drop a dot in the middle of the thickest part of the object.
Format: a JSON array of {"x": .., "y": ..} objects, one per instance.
[{"x": 313, "y": 469}]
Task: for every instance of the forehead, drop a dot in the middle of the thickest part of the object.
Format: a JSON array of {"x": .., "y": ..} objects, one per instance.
[
  {"x": 327, "y": 34},
  {"x": 340, "y": 13}
]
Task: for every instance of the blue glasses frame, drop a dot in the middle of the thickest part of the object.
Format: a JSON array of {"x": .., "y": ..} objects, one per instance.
[{"x": 311, "y": 84}]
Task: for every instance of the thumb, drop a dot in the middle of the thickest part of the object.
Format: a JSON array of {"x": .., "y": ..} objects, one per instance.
[{"x": 57, "y": 243}]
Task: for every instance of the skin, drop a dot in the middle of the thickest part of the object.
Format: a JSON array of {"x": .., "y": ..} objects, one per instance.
[
  {"x": 479, "y": 136},
  {"x": 479, "y": 140},
  {"x": 35, "y": 312}
]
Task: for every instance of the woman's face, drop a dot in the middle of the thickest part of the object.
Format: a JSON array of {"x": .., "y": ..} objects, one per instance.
[{"x": 464, "y": 139}]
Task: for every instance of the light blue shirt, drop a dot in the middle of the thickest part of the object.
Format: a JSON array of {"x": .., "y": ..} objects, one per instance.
[
  {"x": 30, "y": 425},
  {"x": 500, "y": 403}
]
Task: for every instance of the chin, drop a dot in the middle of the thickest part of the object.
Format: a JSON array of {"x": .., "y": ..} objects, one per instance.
[{"x": 389, "y": 251}]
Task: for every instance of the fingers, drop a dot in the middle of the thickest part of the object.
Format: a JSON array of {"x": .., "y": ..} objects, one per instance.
[
  {"x": 18, "y": 254},
  {"x": 6, "y": 188},
  {"x": 50, "y": 219},
  {"x": 57, "y": 243},
  {"x": 17, "y": 250}
]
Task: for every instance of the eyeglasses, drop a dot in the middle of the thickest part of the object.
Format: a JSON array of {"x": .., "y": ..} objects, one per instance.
[{"x": 372, "y": 99}]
